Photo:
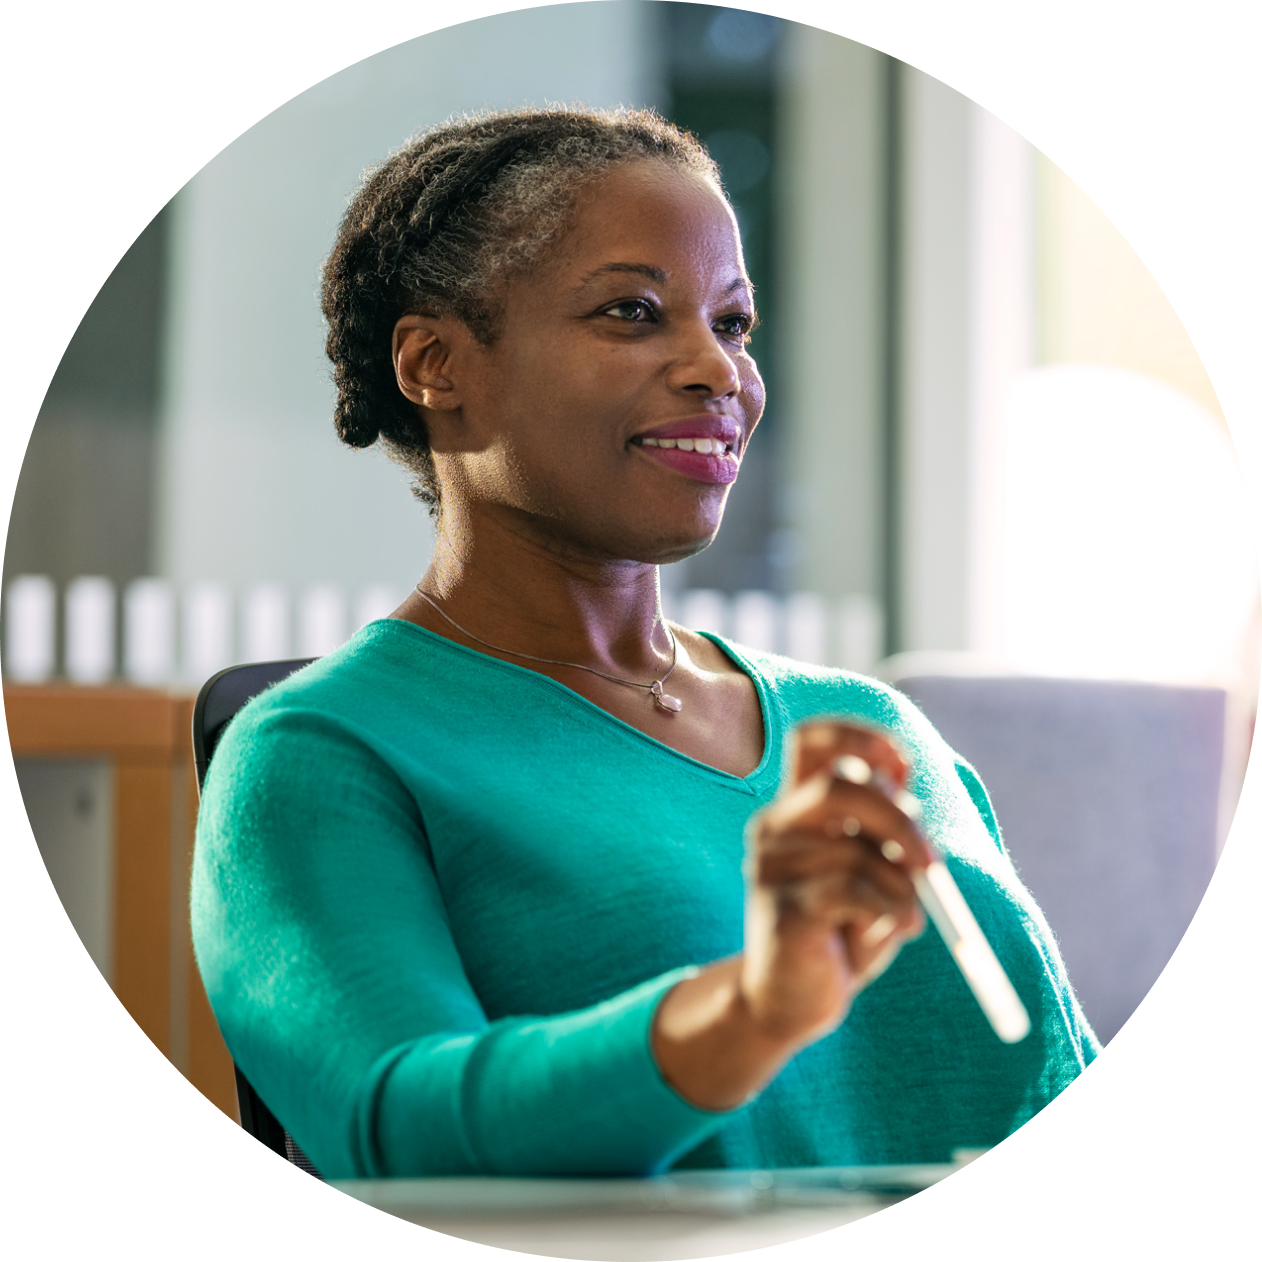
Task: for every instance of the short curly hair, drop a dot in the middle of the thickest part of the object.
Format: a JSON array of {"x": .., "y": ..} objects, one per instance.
[{"x": 442, "y": 223}]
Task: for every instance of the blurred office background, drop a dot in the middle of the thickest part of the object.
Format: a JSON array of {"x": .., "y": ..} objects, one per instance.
[
  {"x": 946, "y": 317},
  {"x": 990, "y": 449}
]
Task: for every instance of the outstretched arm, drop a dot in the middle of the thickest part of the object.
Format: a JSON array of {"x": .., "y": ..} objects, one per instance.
[{"x": 829, "y": 904}]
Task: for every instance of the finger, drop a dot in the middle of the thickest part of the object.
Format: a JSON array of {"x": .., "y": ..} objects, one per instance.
[
  {"x": 819, "y": 743},
  {"x": 840, "y": 807},
  {"x": 826, "y": 901},
  {"x": 855, "y": 770},
  {"x": 858, "y": 896},
  {"x": 846, "y": 842},
  {"x": 869, "y": 956},
  {"x": 848, "y": 809},
  {"x": 842, "y": 896},
  {"x": 801, "y": 855},
  {"x": 875, "y": 936}
]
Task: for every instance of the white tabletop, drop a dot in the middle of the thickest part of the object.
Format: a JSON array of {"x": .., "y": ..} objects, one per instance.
[{"x": 686, "y": 1214}]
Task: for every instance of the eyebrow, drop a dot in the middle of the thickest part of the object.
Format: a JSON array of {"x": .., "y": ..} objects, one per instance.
[
  {"x": 636, "y": 269},
  {"x": 655, "y": 274}
]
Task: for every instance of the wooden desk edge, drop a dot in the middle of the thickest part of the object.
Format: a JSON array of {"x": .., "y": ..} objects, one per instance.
[{"x": 112, "y": 720}]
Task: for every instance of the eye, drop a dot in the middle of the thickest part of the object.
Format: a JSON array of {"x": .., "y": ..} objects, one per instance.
[
  {"x": 738, "y": 326},
  {"x": 633, "y": 311}
]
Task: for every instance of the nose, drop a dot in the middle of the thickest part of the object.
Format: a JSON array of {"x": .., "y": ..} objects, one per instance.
[{"x": 702, "y": 365}]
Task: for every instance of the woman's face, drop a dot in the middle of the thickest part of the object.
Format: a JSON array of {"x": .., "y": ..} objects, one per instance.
[{"x": 614, "y": 409}]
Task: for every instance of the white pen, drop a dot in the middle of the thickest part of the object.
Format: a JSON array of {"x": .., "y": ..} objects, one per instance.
[{"x": 945, "y": 906}]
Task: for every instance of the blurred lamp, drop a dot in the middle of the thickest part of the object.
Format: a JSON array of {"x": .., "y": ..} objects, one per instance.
[{"x": 1126, "y": 545}]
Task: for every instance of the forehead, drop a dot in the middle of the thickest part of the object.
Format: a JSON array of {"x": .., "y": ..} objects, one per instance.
[{"x": 652, "y": 213}]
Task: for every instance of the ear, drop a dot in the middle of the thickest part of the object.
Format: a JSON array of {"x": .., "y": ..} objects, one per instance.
[{"x": 422, "y": 353}]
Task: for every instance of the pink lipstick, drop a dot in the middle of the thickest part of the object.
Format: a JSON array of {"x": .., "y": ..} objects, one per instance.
[{"x": 706, "y": 448}]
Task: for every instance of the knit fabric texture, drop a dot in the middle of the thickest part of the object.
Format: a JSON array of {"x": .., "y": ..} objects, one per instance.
[{"x": 437, "y": 897}]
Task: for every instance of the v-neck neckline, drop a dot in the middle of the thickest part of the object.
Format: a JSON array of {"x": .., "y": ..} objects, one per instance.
[{"x": 754, "y": 783}]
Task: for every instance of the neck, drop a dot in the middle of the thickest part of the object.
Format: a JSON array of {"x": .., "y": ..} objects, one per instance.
[{"x": 515, "y": 587}]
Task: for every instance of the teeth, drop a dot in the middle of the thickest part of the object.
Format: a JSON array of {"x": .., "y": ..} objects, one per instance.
[{"x": 705, "y": 446}]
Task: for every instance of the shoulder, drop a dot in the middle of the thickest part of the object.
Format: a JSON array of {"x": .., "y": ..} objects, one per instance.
[
  {"x": 384, "y": 666},
  {"x": 804, "y": 691},
  {"x": 319, "y": 744},
  {"x": 948, "y": 786},
  {"x": 355, "y": 696}
]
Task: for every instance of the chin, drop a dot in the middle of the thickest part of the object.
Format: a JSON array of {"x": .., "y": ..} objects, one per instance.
[
  {"x": 666, "y": 549},
  {"x": 664, "y": 534}
]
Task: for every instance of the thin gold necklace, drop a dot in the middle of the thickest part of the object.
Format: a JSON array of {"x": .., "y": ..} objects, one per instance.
[{"x": 663, "y": 700}]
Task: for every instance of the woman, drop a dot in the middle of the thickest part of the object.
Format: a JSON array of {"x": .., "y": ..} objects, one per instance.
[{"x": 524, "y": 879}]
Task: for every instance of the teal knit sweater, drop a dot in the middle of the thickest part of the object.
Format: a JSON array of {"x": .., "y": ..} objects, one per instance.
[{"x": 437, "y": 897}]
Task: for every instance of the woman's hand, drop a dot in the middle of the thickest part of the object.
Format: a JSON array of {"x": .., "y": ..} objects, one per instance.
[
  {"x": 829, "y": 904},
  {"x": 830, "y": 898}
]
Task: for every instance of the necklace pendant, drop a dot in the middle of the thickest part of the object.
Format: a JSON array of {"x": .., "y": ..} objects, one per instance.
[{"x": 663, "y": 700}]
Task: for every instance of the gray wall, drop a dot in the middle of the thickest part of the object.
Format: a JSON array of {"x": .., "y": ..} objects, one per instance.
[
  {"x": 83, "y": 501},
  {"x": 833, "y": 344}
]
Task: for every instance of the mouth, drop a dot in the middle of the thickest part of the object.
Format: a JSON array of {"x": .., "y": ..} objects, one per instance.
[{"x": 705, "y": 448}]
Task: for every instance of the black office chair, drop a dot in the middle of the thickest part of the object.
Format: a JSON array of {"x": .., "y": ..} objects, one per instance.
[{"x": 222, "y": 695}]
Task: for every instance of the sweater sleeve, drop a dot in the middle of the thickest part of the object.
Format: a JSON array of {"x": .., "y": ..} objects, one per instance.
[{"x": 321, "y": 936}]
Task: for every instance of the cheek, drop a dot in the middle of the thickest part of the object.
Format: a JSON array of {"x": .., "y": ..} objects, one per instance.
[{"x": 753, "y": 390}]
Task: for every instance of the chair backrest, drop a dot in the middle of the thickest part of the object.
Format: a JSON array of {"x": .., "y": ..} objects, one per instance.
[
  {"x": 220, "y": 698},
  {"x": 1108, "y": 795},
  {"x": 223, "y": 694}
]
